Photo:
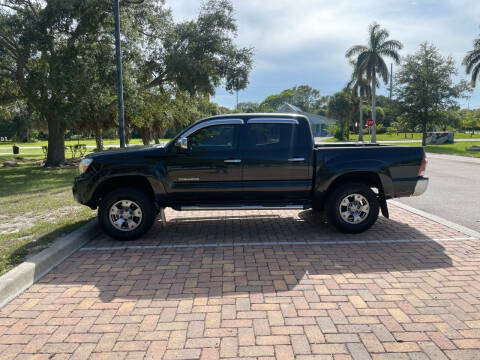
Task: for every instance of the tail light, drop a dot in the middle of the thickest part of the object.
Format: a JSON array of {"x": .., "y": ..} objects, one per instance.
[{"x": 423, "y": 166}]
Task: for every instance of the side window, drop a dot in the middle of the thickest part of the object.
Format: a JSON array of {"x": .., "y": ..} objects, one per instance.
[
  {"x": 271, "y": 137},
  {"x": 214, "y": 138}
]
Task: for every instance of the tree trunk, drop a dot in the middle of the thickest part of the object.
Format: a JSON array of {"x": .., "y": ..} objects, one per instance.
[
  {"x": 424, "y": 132},
  {"x": 28, "y": 134},
  {"x": 146, "y": 135},
  {"x": 98, "y": 137},
  {"x": 56, "y": 143},
  {"x": 156, "y": 138},
  {"x": 127, "y": 135},
  {"x": 360, "y": 120},
  {"x": 374, "y": 111},
  {"x": 342, "y": 130}
]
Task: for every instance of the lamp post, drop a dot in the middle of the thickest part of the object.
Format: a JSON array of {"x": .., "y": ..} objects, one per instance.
[{"x": 118, "y": 56}]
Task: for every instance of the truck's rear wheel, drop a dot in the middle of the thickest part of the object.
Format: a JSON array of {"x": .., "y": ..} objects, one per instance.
[
  {"x": 352, "y": 208},
  {"x": 126, "y": 213}
]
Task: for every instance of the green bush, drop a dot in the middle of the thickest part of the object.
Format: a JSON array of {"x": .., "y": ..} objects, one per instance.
[
  {"x": 381, "y": 129},
  {"x": 391, "y": 130},
  {"x": 337, "y": 132}
]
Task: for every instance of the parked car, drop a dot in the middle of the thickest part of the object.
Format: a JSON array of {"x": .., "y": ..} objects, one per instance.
[{"x": 248, "y": 161}]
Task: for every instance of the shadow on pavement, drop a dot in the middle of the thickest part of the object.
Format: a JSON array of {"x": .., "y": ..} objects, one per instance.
[{"x": 138, "y": 272}]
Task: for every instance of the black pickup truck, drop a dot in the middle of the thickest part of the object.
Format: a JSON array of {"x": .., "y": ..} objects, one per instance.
[{"x": 247, "y": 161}]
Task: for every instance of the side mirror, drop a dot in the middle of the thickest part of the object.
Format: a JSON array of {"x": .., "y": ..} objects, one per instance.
[{"x": 182, "y": 143}]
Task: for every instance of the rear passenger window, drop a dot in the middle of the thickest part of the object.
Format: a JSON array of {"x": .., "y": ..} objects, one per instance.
[{"x": 270, "y": 137}]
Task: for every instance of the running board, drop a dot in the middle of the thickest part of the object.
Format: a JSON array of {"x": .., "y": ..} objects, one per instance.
[{"x": 244, "y": 207}]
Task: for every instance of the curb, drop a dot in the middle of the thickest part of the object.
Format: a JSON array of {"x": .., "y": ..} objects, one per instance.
[
  {"x": 21, "y": 277},
  {"x": 458, "y": 227},
  {"x": 457, "y": 158}
]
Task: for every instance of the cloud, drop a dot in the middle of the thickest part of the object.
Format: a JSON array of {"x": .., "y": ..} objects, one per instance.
[{"x": 304, "y": 41}]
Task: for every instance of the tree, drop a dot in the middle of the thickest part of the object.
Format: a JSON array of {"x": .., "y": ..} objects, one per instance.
[
  {"x": 471, "y": 121},
  {"x": 370, "y": 60},
  {"x": 45, "y": 47},
  {"x": 340, "y": 106},
  {"x": 425, "y": 86},
  {"x": 360, "y": 89},
  {"x": 303, "y": 96},
  {"x": 472, "y": 61},
  {"x": 248, "y": 107},
  {"x": 448, "y": 118},
  {"x": 401, "y": 125}
]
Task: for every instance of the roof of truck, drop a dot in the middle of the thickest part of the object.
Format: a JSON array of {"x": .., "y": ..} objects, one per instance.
[{"x": 250, "y": 115}]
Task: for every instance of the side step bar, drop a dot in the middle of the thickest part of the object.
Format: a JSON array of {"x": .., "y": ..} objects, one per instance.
[{"x": 245, "y": 207}]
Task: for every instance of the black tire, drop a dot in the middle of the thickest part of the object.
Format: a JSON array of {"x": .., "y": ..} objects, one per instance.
[
  {"x": 334, "y": 213},
  {"x": 145, "y": 204}
]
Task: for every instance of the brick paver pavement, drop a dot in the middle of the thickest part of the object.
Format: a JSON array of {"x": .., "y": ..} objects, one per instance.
[{"x": 390, "y": 293}]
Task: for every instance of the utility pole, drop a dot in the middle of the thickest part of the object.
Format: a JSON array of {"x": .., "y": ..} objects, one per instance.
[
  {"x": 118, "y": 55},
  {"x": 391, "y": 80}
]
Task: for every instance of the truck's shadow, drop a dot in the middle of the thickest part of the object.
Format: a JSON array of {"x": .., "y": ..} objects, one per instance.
[{"x": 148, "y": 270}]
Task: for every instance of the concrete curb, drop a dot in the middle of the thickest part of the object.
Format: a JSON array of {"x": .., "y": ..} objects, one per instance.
[
  {"x": 458, "y": 227},
  {"x": 457, "y": 158},
  {"x": 24, "y": 275}
]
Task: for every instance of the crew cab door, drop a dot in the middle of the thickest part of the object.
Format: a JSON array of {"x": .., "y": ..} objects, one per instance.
[
  {"x": 277, "y": 156},
  {"x": 210, "y": 168}
]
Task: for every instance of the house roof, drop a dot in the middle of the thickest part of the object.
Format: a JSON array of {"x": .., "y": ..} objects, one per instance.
[{"x": 313, "y": 118}]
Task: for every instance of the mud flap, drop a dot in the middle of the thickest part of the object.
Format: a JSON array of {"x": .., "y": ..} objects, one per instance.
[
  {"x": 164, "y": 220},
  {"x": 383, "y": 205}
]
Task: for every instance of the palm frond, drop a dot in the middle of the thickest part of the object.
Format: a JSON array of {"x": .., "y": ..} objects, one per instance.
[
  {"x": 372, "y": 30},
  {"x": 475, "y": 74},
  {"x": 380, "y": 37},
  {"x": 382, "y": 69},
  {"x": 476, "y": 43},
  {"x": 355, "y": 50},
  {"x": 394, "y": 45},
  {"x": 472, "y": 58},
  {"x": 395, "y": 56}
]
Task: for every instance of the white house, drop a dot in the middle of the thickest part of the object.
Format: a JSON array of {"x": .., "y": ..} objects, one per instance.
[{"x": 320, "y": 124}]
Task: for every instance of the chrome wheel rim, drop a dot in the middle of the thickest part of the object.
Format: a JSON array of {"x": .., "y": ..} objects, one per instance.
[
  {"x": 354, "y": 208},
  {"x": 125, "y": 215}
]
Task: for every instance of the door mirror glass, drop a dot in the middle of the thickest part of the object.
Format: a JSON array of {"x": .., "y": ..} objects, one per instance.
[{"x": 182, "y": 143}]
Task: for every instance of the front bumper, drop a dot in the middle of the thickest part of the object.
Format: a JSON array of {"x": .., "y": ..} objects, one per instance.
[
  {"x": 80, "y": 190},
  {"x": 420, "y": 187}
]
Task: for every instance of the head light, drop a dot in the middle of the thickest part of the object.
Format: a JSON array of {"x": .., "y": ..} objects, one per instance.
[{"x": 84, "y": 164}]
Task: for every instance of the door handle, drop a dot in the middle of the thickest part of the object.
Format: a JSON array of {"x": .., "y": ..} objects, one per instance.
[
  {"x": 236, "y": 161},
  {"x": 296, "y": 159}
]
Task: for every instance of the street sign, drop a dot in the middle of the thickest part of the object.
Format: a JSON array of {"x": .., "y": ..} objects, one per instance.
[{"x": 370, "y": 122}]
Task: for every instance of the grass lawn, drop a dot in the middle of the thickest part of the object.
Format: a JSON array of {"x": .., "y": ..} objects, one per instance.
[
  {"x": 454, "y": 149},
  {"x": 37, "y": 207},
  {"x": 449, "y": 149},
  {"x": 34, "y": 148},
  {"x": 88, "y": 142}
]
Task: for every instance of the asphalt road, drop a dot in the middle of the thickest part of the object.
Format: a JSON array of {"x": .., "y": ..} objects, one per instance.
[{"x": 453, "y": 192}]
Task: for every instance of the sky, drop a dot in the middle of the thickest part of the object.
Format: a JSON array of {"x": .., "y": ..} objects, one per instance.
[{"x": 304, "y": 41}]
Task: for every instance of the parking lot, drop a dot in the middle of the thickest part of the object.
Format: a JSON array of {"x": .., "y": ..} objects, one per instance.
[{"x": 257, "y": 284}]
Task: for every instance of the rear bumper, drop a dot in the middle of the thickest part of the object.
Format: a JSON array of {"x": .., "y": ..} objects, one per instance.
[{"x": 420, "y": 187}]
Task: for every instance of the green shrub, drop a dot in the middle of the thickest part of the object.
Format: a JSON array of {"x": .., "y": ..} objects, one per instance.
[
  {"x": 337, "y": 132},
  {"x": 391, "y": 130}
]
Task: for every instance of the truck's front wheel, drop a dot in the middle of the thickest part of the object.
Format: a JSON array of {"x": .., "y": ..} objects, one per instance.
[
  {"x": 126, "y": 213},
  {"x": 352, "y": 208}
]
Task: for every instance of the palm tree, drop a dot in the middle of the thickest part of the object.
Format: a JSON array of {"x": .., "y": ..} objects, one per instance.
[
  {"x": 370, "y": 60},
  {"x": 360, "y": 89},
  {"x": 472, "y": 61}
]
